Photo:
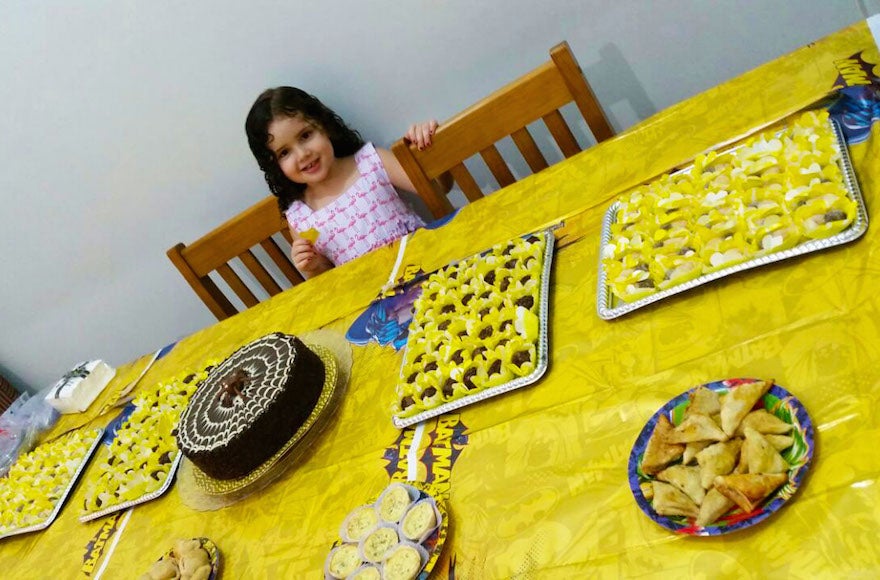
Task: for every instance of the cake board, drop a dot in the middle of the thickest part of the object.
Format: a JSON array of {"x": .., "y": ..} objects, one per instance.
[{"x": 203, "y": 493}]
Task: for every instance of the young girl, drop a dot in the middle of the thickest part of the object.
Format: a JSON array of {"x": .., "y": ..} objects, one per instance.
[{"x": 327, "y": 179}]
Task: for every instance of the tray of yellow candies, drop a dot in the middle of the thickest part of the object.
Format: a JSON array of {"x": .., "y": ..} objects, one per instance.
[
  {"x": 784, "y": 192},
  {"x": 34, "y": 490},
  {"x": 479, "y": 329},
  {"x": 140, "y": 458},
  {"x": 398, "y": 536}
]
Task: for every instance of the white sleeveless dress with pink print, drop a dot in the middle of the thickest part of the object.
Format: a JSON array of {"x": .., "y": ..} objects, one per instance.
[{"x": 368, "y": 215}]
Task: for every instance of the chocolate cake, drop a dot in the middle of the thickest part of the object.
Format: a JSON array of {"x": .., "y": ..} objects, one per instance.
[{"x": 250, "y": 405}]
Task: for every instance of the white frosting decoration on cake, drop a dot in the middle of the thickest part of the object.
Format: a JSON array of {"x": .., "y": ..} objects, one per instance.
[{"x": 207, "y": 423}]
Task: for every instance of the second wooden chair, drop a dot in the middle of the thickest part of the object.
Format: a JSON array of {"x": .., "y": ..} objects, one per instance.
[
  {"x": 507, "y": 112},
  {"x": 237, "y": 238}
]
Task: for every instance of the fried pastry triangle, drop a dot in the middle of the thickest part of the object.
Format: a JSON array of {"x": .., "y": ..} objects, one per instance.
[
  {"x": 739, "y": 401},
  {"x": 691, "y": 450},
  {"x": 764, "y": 422},
  {"x": 697, "y": 427},
  {"x": 762, "y": 456},
  {"x": 687, "y": 479},
  {"x": 717, "y": 459},
  {"x": 749, "y": 490},
  {"x": 659, "y": 452},
  {"x": 671, "y": 501},
  {"x": 714, "y": 505},
  {"x": 779, "y": 442},
  {"x": 704, "y": 400}
]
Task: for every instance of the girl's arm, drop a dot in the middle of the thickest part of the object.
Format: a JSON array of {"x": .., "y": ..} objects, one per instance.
[
  {"x": 306, "y": 258},
  {"x": 419, "y": 134},
  {"x": 396, "y": 174}
]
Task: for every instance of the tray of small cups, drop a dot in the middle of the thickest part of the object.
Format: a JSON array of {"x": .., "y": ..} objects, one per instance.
[
  {"x": 138, "y": 462},
  {"x": 37, "y": 485},
  {"x": 399, "y": 536},
  {"x": 780, "y": 194},
  {"x": 479, "y": 330}
]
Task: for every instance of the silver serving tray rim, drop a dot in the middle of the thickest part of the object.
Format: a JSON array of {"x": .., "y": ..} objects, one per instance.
[
  {"x": 542, "y": 347},
  {"x": 143, "y": 499},
  {"x": 61, "y": 501},
  {"x": 605, "y": 304}
]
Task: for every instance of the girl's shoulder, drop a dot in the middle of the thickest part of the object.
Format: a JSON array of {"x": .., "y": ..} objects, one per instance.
[{"x": 369, "y": 163}]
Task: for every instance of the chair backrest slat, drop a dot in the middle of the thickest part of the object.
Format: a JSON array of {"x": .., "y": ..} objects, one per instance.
[
  {"x": 561, "y": 134},
  {"x": 237, "y": 238},
  {"x": 582, "y": 92},
  {"x": 527, "y": 146},
  {"x": 237, "y": 285},
  {"x": 260, "y": 273},
  {"x": 536, "y": 95},
  {"x": 497, "y": 166},
  {"x": 281, "y": 260},
  {"x": 466, "y": 182}
]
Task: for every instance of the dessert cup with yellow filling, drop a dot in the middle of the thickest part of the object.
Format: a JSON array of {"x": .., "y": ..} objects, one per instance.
[
  {"x": 360, "y": 522},
  {"x": 343, "y": 560},
  {"x": 378, "y": 544},
  {"x": 395, "y": 500},
  {"x": 421, "y": 519},
  {"x": 404, "y": 562},
  {"x": 368, "y": 572}
]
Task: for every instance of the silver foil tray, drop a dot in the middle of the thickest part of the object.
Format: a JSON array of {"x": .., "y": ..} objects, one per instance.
[
  {"x": 48, "y": 521},
  {"x": 609, "y": 307},
  {"x": 143, "y": 499},
  {"x": 542, "y": 351}
]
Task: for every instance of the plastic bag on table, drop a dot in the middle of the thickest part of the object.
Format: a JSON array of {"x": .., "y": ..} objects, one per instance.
[{"x": 22, "y": 424}]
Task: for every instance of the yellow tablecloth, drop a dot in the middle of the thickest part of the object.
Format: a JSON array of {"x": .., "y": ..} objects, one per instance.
[{"x": 536, "y": 480}]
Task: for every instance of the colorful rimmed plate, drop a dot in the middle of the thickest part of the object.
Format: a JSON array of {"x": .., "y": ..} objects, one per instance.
[
  {"x": 433, "y": 544},
  {"x": 776, "y": 401}
]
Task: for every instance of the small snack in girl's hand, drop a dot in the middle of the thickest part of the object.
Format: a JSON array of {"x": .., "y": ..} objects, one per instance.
[{"x": 310, "y": 234}]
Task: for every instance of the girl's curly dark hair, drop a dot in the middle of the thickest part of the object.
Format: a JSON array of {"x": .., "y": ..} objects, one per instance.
[{"x": 290, "y": 102}]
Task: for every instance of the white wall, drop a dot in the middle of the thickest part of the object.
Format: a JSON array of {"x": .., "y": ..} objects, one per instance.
[{"x": 121, "y": 123}]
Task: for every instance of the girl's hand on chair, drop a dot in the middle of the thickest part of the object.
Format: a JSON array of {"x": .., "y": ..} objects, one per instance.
[
  {"x": 307, "y": 259},
  {"x": 419, "y": 134}
]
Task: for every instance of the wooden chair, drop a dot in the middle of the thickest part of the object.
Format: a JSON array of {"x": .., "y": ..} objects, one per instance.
[
  {"x": 507, "y": 112},
  {"x": 235, "y": 239}
]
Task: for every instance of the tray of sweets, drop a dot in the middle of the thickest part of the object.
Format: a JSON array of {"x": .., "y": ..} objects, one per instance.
[
  {"x": 37, "y": 485},
  {"x": 138, "y": 461},
  {"x": 479, "y": 330},
  {"x": 782, "y": 193},
  {"x": 399, "y": 534}
]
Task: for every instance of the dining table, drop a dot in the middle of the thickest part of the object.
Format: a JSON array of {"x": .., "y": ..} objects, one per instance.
[{"x": 535, "y": 481}]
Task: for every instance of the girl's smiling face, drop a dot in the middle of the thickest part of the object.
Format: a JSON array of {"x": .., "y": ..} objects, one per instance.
[{"x": 302, "y": 149}]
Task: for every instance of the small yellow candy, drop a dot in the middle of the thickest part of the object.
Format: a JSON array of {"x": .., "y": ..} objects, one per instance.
[{"x": 310, "y": 234}]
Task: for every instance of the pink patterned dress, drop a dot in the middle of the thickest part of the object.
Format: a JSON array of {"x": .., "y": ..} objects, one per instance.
[{"x": 368, "y": 215}]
